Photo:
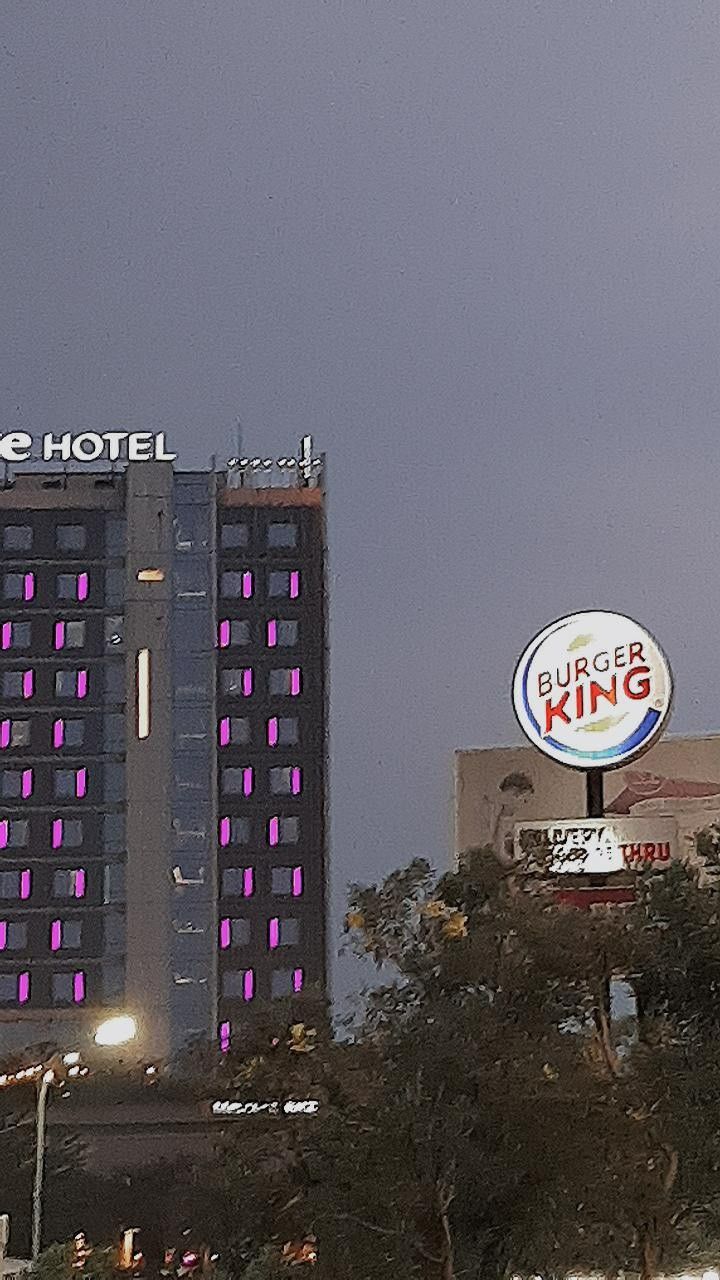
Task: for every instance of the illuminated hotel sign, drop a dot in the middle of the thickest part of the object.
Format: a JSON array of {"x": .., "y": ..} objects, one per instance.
[
  {"x": 593, "y": 690},
  {"x": 597, "y": 846},
  {"x": 86, "y": 446}
]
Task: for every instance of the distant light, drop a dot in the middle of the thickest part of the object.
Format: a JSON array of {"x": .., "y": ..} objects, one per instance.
[
  {"x": 74, "y": 1071},
  {"x": 70, "y": 1059},
  {"x": 116, "y": 1031},
  {"x": 256, "y": 462},
  {"x": 48, "y": 1077},
  {"x": 710, "y": 1275},
  {"x": 151, "y": 1071},
  {"x": 151, "y": 575},
  {"x": 268, "y": 462},
  {"x": 244, "y": 462}
]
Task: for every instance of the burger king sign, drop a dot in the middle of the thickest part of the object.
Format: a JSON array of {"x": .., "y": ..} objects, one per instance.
[{"x": 593, "y": 690}]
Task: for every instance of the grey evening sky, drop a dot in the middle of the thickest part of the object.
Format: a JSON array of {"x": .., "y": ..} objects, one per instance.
[{"x": 472, "y": 245}]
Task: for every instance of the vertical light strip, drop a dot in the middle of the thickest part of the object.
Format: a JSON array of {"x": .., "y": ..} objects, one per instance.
[
  {"x": 224, "y": 832},
  {"x": 224, "y": 1036},
  {"x": 143, "y": 693},
  {"x": 3, "y": 934},
  {"x": 272, "y": 731},
  {"x": 57, "y": 833},
  {"x": 25, "y": 884},
  {"x": 82, "y": 684},
  {"x": 5, "y": 733},
  {"x": 56, "y": 935},
  {"x": 4, "y": 833},
  {"x": 83, "y": 586},
  {"x": 225, "y": 933},
  {"x": 79, "y": 987},
  {"x": 294, "y": 584},
  {"x": 298, "y": 977},
  {"x": 7, "y": 635},
  {"x": 297, "y": 882},
  {"x": 58, "y": 733},
  {"x": 23, "y": 988},
  {"x": 273, "y": 933},
  {"x": 248, "y": 984},
  {"x": 79, "y": 885},
  {"x": 248, "y": 882}
]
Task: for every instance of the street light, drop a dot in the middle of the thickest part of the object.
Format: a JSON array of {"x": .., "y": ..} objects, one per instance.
[{"x": 112, "y": 1032}]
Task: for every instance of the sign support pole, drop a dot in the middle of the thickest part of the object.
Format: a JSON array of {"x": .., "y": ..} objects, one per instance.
[{"x": 595, "y": 793}]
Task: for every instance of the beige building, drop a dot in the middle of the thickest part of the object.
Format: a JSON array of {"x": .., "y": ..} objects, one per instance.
[{"x": 496, "y": 787}]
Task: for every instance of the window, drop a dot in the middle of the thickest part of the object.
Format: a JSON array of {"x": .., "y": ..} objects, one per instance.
[
  {"x": 283, "y": 830},
  {"x": 114, "y": 731},
  {"x": 279, "y": 582},
  {"x": 238, "y": 782},
  {"x": 285, "y": 982},
  {"x": 69, "y": 883},
  {"x": 14, "y": 835},
  {"x": 69, "y": 635},
  {"x": 114, "y": 586},
  {"x": 238, "y": 882},
  {"x": 17, "y": 537},
  {"x": 72, "y": 586},
  {"x": 236, "y": 585},
  {"x": 113, "y": 981},
  {"x": 16, "y": 635},
  {"x": 115, "y": 536},
  {"x": 66, "y": 833},
  {"x": 283, "y": 933},
  {"x": 285, "y": 682},
  {"x": 233, "y": 535},
  {"x": 287, "y": 882},
  {"x": 65, "y": 935},
  {"x": 282, "y": 633},
  {"x": 19, "y": 733},
  {"x": 15, "y": 884},
  {"x": 238, "y": 984},
  {"x": 71, "y": 537},
  {"x": 8, "y": 987},
  {"x": 234, "y": 933},
  {"x": 68, "y": 733},
  {"x": 68, "y": 988},
  {"x": 286, "y": 781},
  {"x": 113, "y": 832},
  {"x": 237, "y": 682},
  {"x": 70, "y": 783},
  {"x": 233, "y": 730},
  {"x": 71, "y": 684},
  {"x": 114, "y": 883},
  {"x": 115, "y": 631},
  {"x": 115, "y": 682},
  {"x": 234, "y": 632},
  {"x": 16, "y": 784},
  {"x": 234, "y": 831},
  {"x": 13, "y": 935},
  {"x": 18, "y": 684},
  {"x": 113, "y": 783},
  {"x": 114, "y": 933},
  {"x": 14, "y": 586},
  {"x": 151, "y": 575},
  {"x": 282, "y": 535},
  {"x": 282, "y": 731}
]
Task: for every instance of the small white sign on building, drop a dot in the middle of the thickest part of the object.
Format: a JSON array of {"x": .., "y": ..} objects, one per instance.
[{"x": 597, "y": 846}]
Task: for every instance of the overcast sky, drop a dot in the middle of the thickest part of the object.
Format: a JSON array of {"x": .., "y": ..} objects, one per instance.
[{"x": 473, "y": 246}]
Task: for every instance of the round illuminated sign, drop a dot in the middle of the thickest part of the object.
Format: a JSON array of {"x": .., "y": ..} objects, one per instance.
[{"x": 593, "y": 690}]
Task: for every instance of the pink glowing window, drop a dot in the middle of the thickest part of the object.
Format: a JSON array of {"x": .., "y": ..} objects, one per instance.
[
  {"x": 5, "y": 732},
  {"x": 294, "y": 682},
  {"x": 83, "y": 586},
  {"x": 297, "y": 882},
  {"x": 248, "y": 984},
  {"x": 25, "y": 884},
  {"x": 56, "y": 935},
  {"x": 224, "y": 731},
  {"x": 272, "y": 731},
  {"x": 247, "y": 781},
  {"x": 29, "y": 586},
  {"x": 23, "y": 988},
  {"x": 28, "y": 684},
  {"x": 82, "y": 684},
  {"x": 224, "y": 1036},
  {"x": 225, "y": 933},
  {"x": 59, "y": 635},
  {"x": 224, "y": 634},
  {"x": 78, "y": 987},
  {"x": 57, "y": 833},
  {"x": 294, "y": 584},
  {"x": 79, "y": 881},
  {"x": 3, "y": 935},
  {"x": 247, "y": 682},
  {"x": 295, "y": 781},
  {"x": 7, "y": 628},
  {"x": 274, "y": 831},
  {"x": 224, "y": 832},
  {"x": 272, "y": 633},
  {"x": 81, "y": 781},
  {"x": 273, "y": 933},
  {"x": 297, "y": 979},
  {"x": 58, "y": 733},
  {"x": 4, "y": 833},
  {"x": 26, "y": 783}
]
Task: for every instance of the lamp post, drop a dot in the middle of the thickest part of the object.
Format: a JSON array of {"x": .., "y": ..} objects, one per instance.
[{"x": 111, "y": 1033}]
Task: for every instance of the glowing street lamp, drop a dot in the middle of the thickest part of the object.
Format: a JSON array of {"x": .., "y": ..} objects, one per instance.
[{"x": 116, "y": 1031}]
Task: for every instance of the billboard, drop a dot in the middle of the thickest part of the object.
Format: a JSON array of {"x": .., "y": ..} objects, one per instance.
[
  {"x": 497, "y": 787},
  {"x": 596, "y": 846}
]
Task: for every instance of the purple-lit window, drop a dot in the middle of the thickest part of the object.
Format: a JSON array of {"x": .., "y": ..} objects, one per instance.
[
  {"x": 59, "y": 640},
  {"x": 29, "y": 587},
  {"x": 233, "y": 633},
  {"x": 13, "y": 935},
  {"x": 224, "y": 634},
  {"x": 6, "y": 635},
  {"x": 286, "y": 780},
  {"x": 18, "y": 684},
  {"x": 16, "y": 784},
  {"x": 28, "y": 684},
  {"x": 298, "y": 980},
  {"x": 271, "y": 633},
  {"x": 82, "y": 684},
  {"x": 237, "y": 682},
  {"x": 233, "y": 831},
  {"x": 83, "y": 586},
  {"x": 81, "y": 783},
  {"x": 23, "y": 988},
  {"x": 25, "y": 884},
  {"x": 78, "y": 987},
  {"x": 57, "y": 833},
  {"x": 283, "y": 933},
  {"x": 297, "y": 882},
  {"x": 19, "y": 586},
  {"x": 224, "y": 1034},
  {"x": 285, "y": 681},
  {"x": 65, "y": 935},
  {"x": 58, "y": 733},
  {"x": 283, "y": 830},
  {"x": 69, "y": 883},
  {"x": 234, "y": 933},
  {"x": 282, "y": 582},
  {"x": 238, "y": 882},
  {"x": 287, "y": 882},
  {"x": 56, "y": 935},
  {"x": 5, "y": 733},
  {"x": 225, "y": 933},
  {"x": 79, "y": 884},
  {"x": 27, "y": 783},
  {"x": 238, "y": 984},
  {"x": 238, "y": 781},
  {"x": 15, "y": 834},
  {"x": 235, "y": 585},
  {"x": 235, "y": 730},
  {"x": 294, "y": 584}
]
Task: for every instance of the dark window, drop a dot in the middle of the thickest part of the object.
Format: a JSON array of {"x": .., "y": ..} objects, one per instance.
[
  {"x": 71, "y": 934},
  {"x": 289, "y": 932},
  {"x": 234, "y": 681},
  {"x": 114, "y": 883},
  {"x": 64, "y": 783},
  {"x": 16, "y": 935},
  {"x": 279, "y": 583},
  {"x": 114, "y": 933},
  {"x": 281, "y": 983},
  {"x": 286, "y": 631},
  {"x": 9, "y": 884},
  {"x": 18, "y": 833},
  {"x": 74, "y": 635},
  {"x": 65, "y": 684},
  {"x": 20, "y": 733},
  {"x": 240, "y": 631},
  {"x": 115, "y": 536},
  {"x": 62, "y": 988},
  {"x": 113, "y": 832},
  {"x": 287, "y": 731},
  {"x": 72, "y": 833},
  {"x": 239, "y": 730},
  {"x": 282, "y": 535},
  {"x": 74, "y": 733},
  {"x": 67, "y": 883},
  {"x": 14, "y": 586},
  {"x": 233, "y": 781},
  {"x": 282, "y": 881},
  {"x": 115, "y": 682},
  {"x": 233, "y": 535},
  {"x": 66, "y": 586},
  {"x": 20, "y": 635},
  {"x": 11, "y": 783},
  {"x": 233, "y": 983},
  {"x": 234, "y": 882},
  {"x": 71, "y": 537},
  {"x": 114, "y": 731},
  {"x": 8, "y": 987},
  {"x": 239, "y": 933},
  {"x": 234, "y": 586},
  {"x": 114, "y": 586},
  {"x": 17, "y": 537},
  {"x": 12, "y": 683},
  {"x": 113, "y": 782}
]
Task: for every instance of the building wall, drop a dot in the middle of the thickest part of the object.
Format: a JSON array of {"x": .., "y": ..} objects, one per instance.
[{"x": 498, "y": 786}]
